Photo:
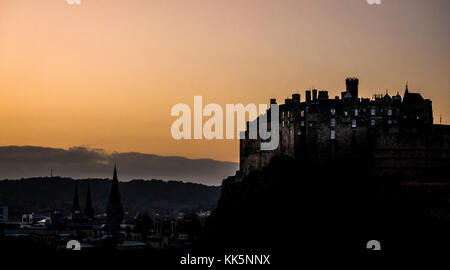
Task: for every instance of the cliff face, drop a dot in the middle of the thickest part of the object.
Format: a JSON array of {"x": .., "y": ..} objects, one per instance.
[
  {"x": 291, "y": 207},
  {"x": 423, "y": 155}
]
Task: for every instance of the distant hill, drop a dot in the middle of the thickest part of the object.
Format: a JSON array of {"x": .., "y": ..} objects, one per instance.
[
  {"x": 43, "y": 195},
  {"x": 81, "y": 162}
]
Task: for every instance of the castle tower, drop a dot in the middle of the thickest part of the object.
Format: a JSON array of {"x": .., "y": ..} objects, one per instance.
[
  {"x": 308, "y": 96},
  {"x": 114, "y": 210},
  {"x": 75, "y": 203},
  {"x": 352, "y": 86},
  {"x": 88, "y": 210}
]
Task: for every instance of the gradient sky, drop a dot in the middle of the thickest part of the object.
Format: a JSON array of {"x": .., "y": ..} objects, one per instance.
[{"x": 106, "y": 73}]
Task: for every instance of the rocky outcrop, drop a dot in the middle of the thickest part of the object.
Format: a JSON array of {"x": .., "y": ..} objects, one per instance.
[{"x": 290, "y": 207}]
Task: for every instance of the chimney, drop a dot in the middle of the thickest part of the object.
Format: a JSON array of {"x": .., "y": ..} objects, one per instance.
[{"x": 308, "y": 96}]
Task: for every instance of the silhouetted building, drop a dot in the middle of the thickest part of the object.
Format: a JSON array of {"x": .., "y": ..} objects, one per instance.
[
  {"x": 352, "y": 87},
  {"x": 3, "y": 213},
  {"x": 114, "y": 210},
  {"x": 57, "y": 220},
  {"x": 396, "y": 136},
  {"x": 75, "y": 203},
  {"x": 88, "y": 210}
]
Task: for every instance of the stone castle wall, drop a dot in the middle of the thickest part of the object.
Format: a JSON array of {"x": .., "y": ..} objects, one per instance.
[{"x": 397, "y": 137}]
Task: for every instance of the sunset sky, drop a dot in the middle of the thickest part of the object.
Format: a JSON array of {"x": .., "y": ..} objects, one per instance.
[{"x": 106, "y": 73}]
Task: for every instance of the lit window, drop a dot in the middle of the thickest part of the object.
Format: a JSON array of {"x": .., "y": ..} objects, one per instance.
[
  {"x": 389, "y": 122},
  {"x": 333, "y": 134},
  {"x": 353, "y": 123},
  {"x": 356, "y": 112},
  {"x": 302, "y": 123},
  {"x": 333, "y": 122},
  {"x": 372, "y": 122},
  {"x": 389, "y": 112},
  {"x": 333, "y": 111},
  {"x": 345, "y": 113},
  {"x": 302, "y": 113},
  {"x": 372, "y": 112}
]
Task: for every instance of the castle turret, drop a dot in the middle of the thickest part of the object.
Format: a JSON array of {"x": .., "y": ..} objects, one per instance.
[
  {"x": 308, "y": 96},
  {"x": 352, "y": 86},
  {"x": 323, "y": 95},
  {"x": 296, "y": 97}
]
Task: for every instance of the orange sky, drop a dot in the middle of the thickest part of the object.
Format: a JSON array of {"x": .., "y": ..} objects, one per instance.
[{"x": 106, "y": 73}]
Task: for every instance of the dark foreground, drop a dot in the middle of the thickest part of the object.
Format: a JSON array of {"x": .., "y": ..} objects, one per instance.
[{"x": 293, "y": 216}]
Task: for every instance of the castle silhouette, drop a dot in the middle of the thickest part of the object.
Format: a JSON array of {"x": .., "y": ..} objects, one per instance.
[{"x": 395, "y": 134}]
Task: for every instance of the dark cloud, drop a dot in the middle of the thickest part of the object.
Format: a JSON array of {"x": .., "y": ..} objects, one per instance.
[{"x": 82, "y": 162}]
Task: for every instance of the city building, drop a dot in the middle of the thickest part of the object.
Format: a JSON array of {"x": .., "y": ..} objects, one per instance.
[{"x": 3, "y": 213}]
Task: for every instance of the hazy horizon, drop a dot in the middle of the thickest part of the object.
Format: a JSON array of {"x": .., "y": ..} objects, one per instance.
[
  {"x": 80, "y": 162},
  {"x": 105, "y": 74}
]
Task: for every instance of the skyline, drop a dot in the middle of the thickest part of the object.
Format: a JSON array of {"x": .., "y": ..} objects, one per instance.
[
  {"x": 19, "y": 162},
  {"x": 105, "y": 74}
]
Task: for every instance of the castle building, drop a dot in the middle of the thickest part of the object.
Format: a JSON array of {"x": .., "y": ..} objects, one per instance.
[
  {"x": 114, "y": 210},
  {"x": 397, "y": 133}
]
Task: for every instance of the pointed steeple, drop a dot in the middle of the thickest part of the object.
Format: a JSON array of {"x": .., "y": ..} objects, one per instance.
[
  {"x": 406, "y": 90},
  {"x": 115, "y": 172},
  {"x": 114, "y": 210},
  {"x": 76, "y": 203},
  {"x": 88, "y": 210}
]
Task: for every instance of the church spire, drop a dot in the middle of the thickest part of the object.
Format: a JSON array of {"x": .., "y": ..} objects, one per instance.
[
  {"x": 88, "y": 210},
  {"x": 115, "y": 172},
  {"x": 76, "y": 203},
  {"x": 114, "y": 210},
  {"x": 406, "y": 90}
]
